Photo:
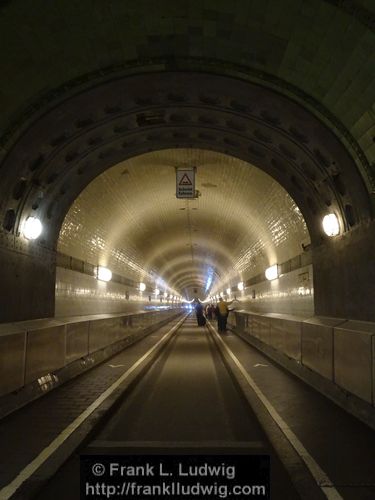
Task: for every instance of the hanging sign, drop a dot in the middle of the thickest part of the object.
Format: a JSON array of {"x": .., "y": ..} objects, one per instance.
[{"x": 185, "y": 183}]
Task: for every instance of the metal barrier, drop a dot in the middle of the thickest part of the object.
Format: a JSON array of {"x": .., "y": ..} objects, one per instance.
[
  {"x": 36, "y": 350},
  {"x": 340, "y": 351}
]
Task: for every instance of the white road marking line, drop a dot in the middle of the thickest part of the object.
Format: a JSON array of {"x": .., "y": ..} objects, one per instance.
[
  {"x": 259, "y": 364},
  {"x": 178, "y": 445},
  {"x": 115, "y": 366},
  {"x": 7, "y": 491},
  {"x": 319, "y": 475}
]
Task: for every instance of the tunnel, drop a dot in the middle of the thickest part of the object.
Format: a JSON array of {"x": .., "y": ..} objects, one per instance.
[
  {"x": 129, "y": 218},
  {"x": 265, "y": 110}
]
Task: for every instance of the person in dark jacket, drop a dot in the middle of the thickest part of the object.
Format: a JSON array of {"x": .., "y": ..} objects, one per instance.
[
  {"x": 201, "y": 320},
  {"x": 209, "y": 311}
]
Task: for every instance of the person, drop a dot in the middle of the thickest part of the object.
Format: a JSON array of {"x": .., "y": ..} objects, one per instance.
[
  {"x": 201, "y": 320},
  {"x": 222, "y": 313},
  {"x": 209, "y": 311}
]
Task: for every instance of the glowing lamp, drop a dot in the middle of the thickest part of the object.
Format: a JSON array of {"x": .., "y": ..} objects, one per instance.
[
  {"x": 32, "y": 228},
  {"x": 103, "y": 274},
  {"x": 157, "y": 291},
  {"x": 272, "y": 272},
  {"x": 240, "y": 286},
  {"x": 142, "y": 287},
  {"x": 228, "y": 291},
  {"x": 331, "y": 225}
]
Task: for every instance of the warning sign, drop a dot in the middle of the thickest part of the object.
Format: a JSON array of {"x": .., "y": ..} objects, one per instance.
[{"x": 185, "y": 183}]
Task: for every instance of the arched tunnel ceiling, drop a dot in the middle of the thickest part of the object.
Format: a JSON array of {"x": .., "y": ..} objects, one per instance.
[
  {"x": 89, "y": 84},
  {"x": 322, "y": 53},
  {"x": 130, "y": 220}
]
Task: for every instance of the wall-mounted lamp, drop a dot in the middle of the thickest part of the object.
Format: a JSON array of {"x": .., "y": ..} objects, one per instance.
[
  {"x": 142, "y": 287},
  {"x": 32, "y": 228},
  {"x": 103, "y": 274},
  {"x": 272, "y": 272},
  {"x": 157, "y": 291},
  {"x": 228, "y": 291},
  {"x": 331, "y": 225},
  {"x": 240, "y": 286}
]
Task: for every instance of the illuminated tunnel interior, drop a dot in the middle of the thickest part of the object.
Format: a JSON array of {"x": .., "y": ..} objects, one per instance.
[
  {"x": 91, "y": 131},
  {"x": 129, "y": 220},
  {"x": 271, "y": 106}
]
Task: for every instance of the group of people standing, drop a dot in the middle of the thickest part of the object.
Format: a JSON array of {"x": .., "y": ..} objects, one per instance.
[{"x": 220, "y": 311}]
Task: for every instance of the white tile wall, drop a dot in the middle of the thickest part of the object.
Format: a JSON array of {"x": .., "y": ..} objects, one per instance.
[{"x": 130, "y": 220}]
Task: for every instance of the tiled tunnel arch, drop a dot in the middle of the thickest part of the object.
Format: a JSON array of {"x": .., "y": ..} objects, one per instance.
[
  {"x": 179, "y": 274},
  {"x": 72, "y": 144},
  {"x": 248, "y": 81},
  {"x": 130, "y": 220}
]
